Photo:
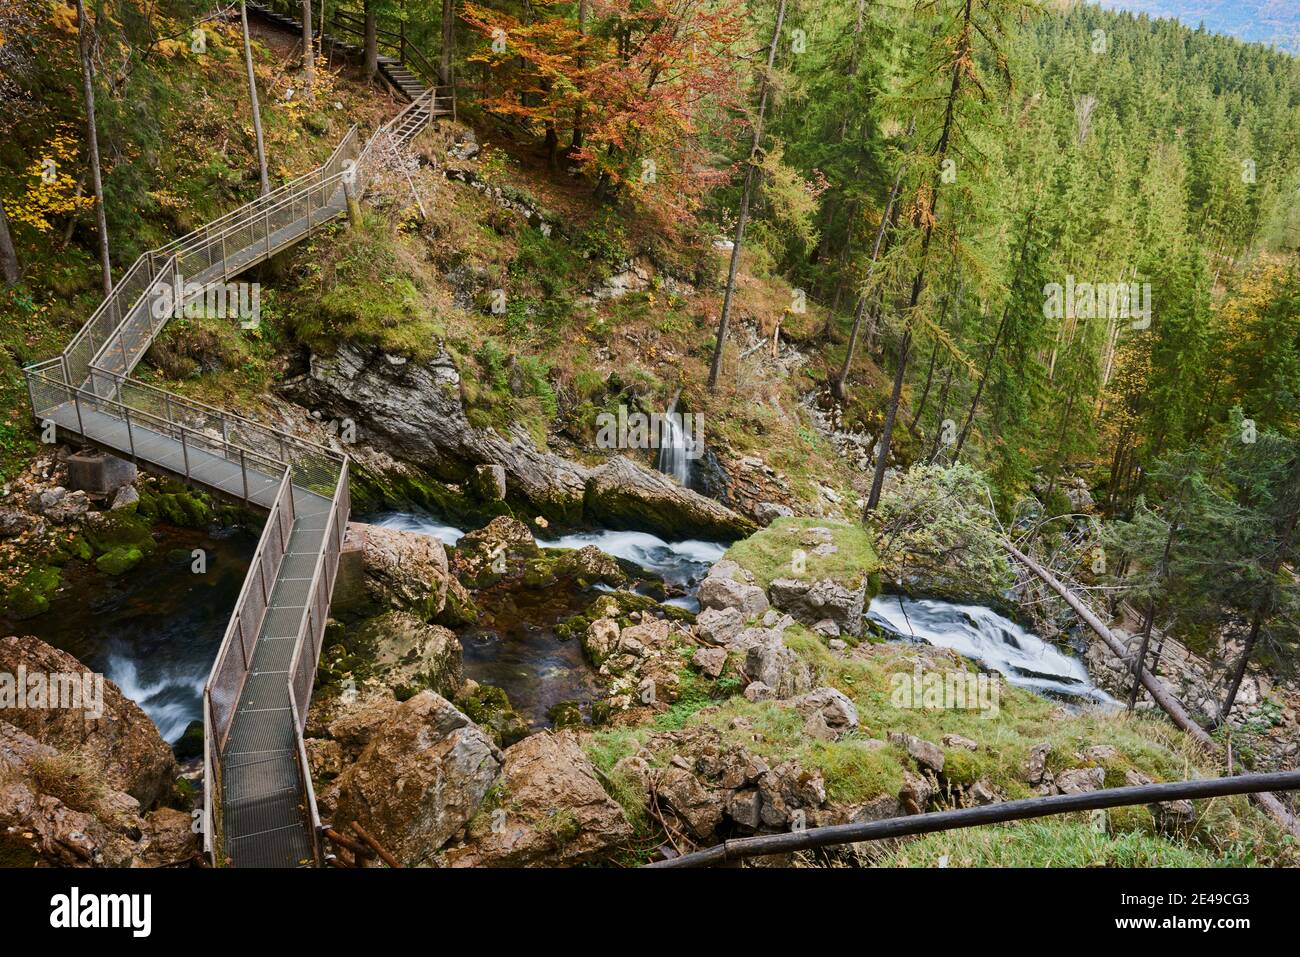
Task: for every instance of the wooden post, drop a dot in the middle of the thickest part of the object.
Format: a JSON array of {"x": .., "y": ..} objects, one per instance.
[{"x": 350, "y": 196}]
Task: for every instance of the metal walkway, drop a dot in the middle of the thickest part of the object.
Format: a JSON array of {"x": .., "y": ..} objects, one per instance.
[{"x": 259, "y": 809}]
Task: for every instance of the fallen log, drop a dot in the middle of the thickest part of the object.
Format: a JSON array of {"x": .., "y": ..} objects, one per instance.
[
  {"x": 815, "y": 837},
  {"x": 1155, "y": 687}
]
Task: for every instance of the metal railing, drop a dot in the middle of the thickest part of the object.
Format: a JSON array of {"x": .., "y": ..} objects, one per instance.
[
  {"x": 235, "y": 655},
  {"x": 87, "y": 390}
]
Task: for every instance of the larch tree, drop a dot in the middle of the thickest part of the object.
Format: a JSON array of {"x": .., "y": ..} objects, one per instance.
[
  {"x": 253, "y": 102},
  {"x": 752, "y": 164},
  {"x": 86, "y": 48}
]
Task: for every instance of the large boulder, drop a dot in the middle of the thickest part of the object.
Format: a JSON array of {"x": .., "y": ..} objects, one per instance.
[
  {"x": 815, "y": 602},
  {"x": 622, "y": 494},
  {"x": 499, "y": 549},
  {"x": 407, "y": 655},
  {"x": 421, "y": 777},
  {"x": 108, "y": 731},
  {"x": 551, "y": 810},
  {"x": 55, "y": 811},
  {"x": 780, "y": 668},
  {"x": 730, "y": 587},
  {"x": 403, "y": 570},
  {"x": 414, "y": 409}
]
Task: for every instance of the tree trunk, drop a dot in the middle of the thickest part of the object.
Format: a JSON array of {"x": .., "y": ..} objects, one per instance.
[
  {"x": 8, "y": 255},
  {"x": 92, "y": 143},
  {"x": 576, "y": 144},
  {"x": 943, "y": 408},
  {"x": 308, "y": 51},
  {"x": 370, "y": 43},
  {"x": 252, "y": 96},
  {"x": 963, "y": 51},
  {"x": 716, "y": 368},
  {"x": 993, "y": 351},
  {"x": 886, "y": 433},
  {"x": 839, "y": 387},
  {"x": 1239, "y": 670},
  {"x": 448, "y": 42},
  {"x": 925, "y": 392},
  {"x": 1159, "y": 693}
]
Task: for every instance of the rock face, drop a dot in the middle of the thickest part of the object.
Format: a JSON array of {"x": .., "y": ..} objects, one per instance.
[
  {"x": 815, "y": 602},
  {"x": 403, "y": 571},
  {"x": 121, "y": 745},
  {"x": 779, "y": 668},
  {"x": 621, "y": 494},
  {"x": 415, "y": 410},
  {"x": 552, "y": 810},
  {"x": 419, "y": 779},
  {"x": 728, "y": 586},
  {"x": 410, "y": 655},
  {"x": 56, "y": 812}
]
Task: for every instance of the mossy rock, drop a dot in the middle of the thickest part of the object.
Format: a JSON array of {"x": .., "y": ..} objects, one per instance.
[
  {"x": 489, "y": 707},
  {"x": 459, "y": 609},
  {"x": 190, "y": 744},
  {"x": 30, "y": 595},
  {"x": 182, "y": 509},
  {"x": 770, "y": 553},
  {"x": 119, "y": 560},
  {"x": 565, "y": 714},
  {"x": 117, "y": 530}
]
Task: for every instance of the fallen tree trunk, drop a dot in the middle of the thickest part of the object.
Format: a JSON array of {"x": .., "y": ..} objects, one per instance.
[
  {"x": 988, "y": 814},
  {"x": 1159, "y": 693}
]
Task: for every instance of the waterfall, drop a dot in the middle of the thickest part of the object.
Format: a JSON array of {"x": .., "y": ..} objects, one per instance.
[{"x": 676, "y": 446}]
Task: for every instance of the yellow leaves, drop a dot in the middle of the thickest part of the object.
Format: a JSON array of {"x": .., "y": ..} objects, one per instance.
[
  {"x": 51, "y": 191},
  {"x": 169, "y": 47},
  {"x": 64, "y": 17}
]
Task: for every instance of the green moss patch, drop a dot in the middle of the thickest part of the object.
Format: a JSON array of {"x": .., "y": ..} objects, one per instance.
[{"x": 773, "y": 553}]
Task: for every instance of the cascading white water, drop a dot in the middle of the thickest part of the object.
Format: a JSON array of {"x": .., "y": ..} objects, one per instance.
[
  {"x": 676, "y": 448},
  {"x": 678, "y": 563},
  {"x": 419, "y": 522},
  {"x": 170, "y": 695},
  {"x": 985, "y": 636}
]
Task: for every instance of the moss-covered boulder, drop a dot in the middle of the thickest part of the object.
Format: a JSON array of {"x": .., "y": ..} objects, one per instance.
[
  {"x": 29, "y": 595},
  {"x": 489, "y": 707},
  {"x": 817, "y": 570},
  {"x": 119, "y": 560}
]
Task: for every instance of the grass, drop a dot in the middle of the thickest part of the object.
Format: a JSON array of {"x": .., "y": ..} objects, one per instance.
[
  {"x": 770, "y": 553},
  {"x": 855, "y": 771},
  {"x": 1051, "y": 843}
]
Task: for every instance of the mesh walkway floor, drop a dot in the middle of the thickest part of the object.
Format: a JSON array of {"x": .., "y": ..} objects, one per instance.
[{"x": 264, "y": 817}]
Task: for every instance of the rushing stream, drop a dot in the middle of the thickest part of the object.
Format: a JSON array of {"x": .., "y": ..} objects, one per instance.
[
  {"x": 996, "y": 642},
  {"x": 153, "y": 632},
  {"x": 514, "y": 645}
]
